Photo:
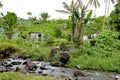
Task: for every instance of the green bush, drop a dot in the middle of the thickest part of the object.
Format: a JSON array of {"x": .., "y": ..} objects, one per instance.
[
  {"x": 58, "y": 33},
  {"x": 103, "y": 56},
  {"x": 40, "y": 53}
]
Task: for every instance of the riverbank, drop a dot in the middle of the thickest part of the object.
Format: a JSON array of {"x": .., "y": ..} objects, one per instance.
[{"x": 39, "y": 70}]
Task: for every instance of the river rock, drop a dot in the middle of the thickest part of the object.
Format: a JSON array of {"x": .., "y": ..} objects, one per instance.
[
  {"x": 31, "y": 65},
  {"x": 16, "y": 63},
  {"x": 8, "y": 65},
  {"x": 43, "y": 68},
  {"x": 64, "y": 57},
  {"x": 53, "y": 52},
  {"x": 79, "y": 73},
  {"x": 117, "y": 77},
  {"x": 1, "y": 63},
  {"x": 1, "y": 68},
  {"x": 56, "y": 64},
  {"x": 22, "y": 69}
]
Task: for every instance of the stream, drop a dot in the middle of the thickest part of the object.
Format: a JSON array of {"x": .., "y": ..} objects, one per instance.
[{"x": 44, "y": 68}]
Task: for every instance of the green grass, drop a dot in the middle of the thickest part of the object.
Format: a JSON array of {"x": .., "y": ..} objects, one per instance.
[
  {"x": 18, "y": 76},
  {"x": 97, "y": 62}
]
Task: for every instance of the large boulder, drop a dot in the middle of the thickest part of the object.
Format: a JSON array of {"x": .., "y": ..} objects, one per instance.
[
  {"x": 53, "y": 52},
  {"x": 31, "y": 65},
  {"x": 78, "y": 73},
  {"x": 64, "y": 57},
  {"x": 22, "y": 69}
]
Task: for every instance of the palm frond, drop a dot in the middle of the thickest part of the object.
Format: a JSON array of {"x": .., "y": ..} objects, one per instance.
[
  {"x": 95, "y": 3},
  {"x": 66, "y": 6},
  {"x": 72, "y": 5},
  {"x": 80, "y": 4},
  {"x": 1, "y": 5},
  {"x": 62, "y": 11}
]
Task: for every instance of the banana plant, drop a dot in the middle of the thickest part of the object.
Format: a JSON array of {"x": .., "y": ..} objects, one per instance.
[{"x": 82, "y": 19}]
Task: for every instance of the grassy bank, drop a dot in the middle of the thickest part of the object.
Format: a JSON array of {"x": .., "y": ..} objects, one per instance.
[{"x": 18, "y": 76}]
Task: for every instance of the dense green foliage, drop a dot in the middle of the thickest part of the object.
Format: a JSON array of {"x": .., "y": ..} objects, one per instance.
[
  {"x": 9, "y": 21},
  {"x": 103, "y": 56},
  {"x": 115, "y": 16}
]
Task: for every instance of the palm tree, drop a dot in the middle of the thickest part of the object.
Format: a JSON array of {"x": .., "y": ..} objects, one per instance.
[
  {"x": 79, "y": 18},
  {"x": 70, "y": 9}
]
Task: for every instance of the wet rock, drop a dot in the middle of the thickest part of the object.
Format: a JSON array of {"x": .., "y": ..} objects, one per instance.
[
  {"x": 1, "y": 63},
  {"x": 8, "y": 65},
  {"x": 64, "y": 57},
  {"x": 117, "y": 77},
  {"x": 53, "y": 52},
  {"x": 22, "y": 69},
  {"x": 16, "y": 63},
  {"x": 31, "y": 65},
  {"x": 43, "y": 68},
  {"x": 1, "y": 68},
  {"x": 55, "y": 64},
  {"x": 63, "y": 47},
  {"x": 45, "y": 72},
  {"x": 79, "y": 73}
]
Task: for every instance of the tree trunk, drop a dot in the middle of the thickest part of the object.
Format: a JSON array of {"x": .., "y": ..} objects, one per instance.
[
  {"x": 74, "y": 30},
  {"x": 9, "y": 35},
  {"x": 79, "y": 39}
]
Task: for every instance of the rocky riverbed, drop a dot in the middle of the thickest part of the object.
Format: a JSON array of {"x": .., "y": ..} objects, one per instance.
[{"x": 27, "y": 66}]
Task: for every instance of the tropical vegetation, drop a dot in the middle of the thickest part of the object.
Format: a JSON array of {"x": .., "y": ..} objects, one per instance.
[{"x": 103, "y": 55}]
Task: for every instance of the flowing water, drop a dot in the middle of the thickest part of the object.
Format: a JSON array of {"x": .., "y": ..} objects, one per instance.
[{"x": 67, "y": 73}]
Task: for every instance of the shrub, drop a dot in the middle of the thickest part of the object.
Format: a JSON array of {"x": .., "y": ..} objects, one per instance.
[
  {"x": 41, "y": 53},
  {"x": 6, "y": 49}
]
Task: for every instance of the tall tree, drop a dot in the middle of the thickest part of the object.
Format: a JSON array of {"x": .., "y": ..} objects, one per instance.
[
  {"x": 70, "y": 9},
  {"x": 79, "y": 18},
  {"x": 10, "y": 19}
]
